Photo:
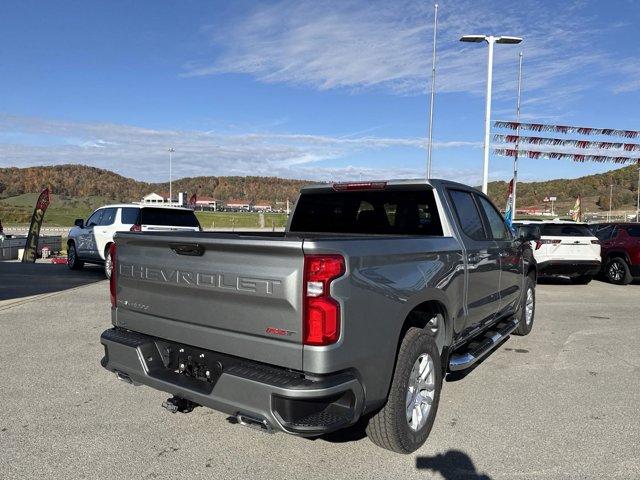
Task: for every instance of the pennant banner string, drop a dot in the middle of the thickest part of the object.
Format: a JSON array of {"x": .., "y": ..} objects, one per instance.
[
  {"x": 509, "y": 152},
  {"x": 540, "y": 127},
  {"x": 517, "y": 139}
]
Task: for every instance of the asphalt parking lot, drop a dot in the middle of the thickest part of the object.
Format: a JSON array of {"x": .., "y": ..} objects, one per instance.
[{"x": 560, "y": 403}]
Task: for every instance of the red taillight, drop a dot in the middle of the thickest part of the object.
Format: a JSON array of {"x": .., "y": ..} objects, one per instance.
[
  {"x": 135, "y": 228},
  {"x": 321, "y": 318},
  {"x": 360, "y": 186},
  {"x": 114, "y": 271},
  {"x": 539, "y": 243}
]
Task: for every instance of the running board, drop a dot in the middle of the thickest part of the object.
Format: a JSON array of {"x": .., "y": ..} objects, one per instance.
[{"x": 480, "y": 347}]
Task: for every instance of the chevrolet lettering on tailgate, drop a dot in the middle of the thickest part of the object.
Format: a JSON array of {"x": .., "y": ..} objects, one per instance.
[{"x": 218, "y": 280}]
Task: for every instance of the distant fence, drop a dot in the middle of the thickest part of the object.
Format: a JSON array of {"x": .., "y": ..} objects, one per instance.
[{"x": 62, "y": 231}]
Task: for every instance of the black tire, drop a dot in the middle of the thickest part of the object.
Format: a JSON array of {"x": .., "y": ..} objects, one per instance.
[
  {"x": 581, "y": 279},
  {"x": 108, "y": 265},
  {"x": 73, "y": 262},
  {"x": 524, "y": 325},
  {"x": 389, "y": 427},
  {"x": 617, "y": 271}
]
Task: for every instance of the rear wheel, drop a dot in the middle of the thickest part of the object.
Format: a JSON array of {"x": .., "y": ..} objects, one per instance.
[
  {"x": 581, "y": 279},
  {"x": 73, "y": 262},
  {"x": 404, "y": 423},
  {"x": 528, "y": 309},
  {"x": 108, "y": 262},
  {"x": 617, "y": 271}
]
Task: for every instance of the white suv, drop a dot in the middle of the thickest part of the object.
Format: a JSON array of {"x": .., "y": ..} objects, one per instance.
[
  {"x": 90, "y": 241},
  {"x": 564, "y": 248}
]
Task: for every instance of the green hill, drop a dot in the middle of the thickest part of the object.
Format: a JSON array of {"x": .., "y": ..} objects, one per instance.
[
  {"x": 81, "y": 181},
  {"x": 593, "y": 188},
  {"x": 78, "y": 189}
]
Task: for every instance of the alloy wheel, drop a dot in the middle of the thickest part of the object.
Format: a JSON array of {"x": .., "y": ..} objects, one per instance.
[
  {"x": 616, "y": 271},
  {"x": 421, "y": 392},
  {"x": 528, "y": 309}
]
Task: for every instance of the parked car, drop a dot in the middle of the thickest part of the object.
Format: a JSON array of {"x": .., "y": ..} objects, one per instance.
[
  {"x": 620, "y": 251},
  {"x": 375, "y": 291},
  {"x": 89, "y": 241},
  {"x": 564, "y": 248}
]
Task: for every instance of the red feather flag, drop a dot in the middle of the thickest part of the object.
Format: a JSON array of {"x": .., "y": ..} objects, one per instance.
[{"x": 31, "y": 246}]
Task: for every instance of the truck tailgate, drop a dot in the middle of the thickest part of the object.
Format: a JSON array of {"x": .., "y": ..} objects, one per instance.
[{"x": 239, "y": 296}]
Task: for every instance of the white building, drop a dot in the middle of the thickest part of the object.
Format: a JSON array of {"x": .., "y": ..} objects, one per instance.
[
  {"x": 207, "y": 203},
  {"x": 152, "y": 198}
]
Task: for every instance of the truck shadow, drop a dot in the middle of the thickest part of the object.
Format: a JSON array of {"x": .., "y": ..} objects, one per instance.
[
  {"x": 451, "y": 465},
  {"x": 20, "y": 280}
]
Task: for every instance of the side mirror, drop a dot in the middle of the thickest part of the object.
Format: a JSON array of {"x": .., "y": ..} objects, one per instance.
[{"x": 79, "y": 222}]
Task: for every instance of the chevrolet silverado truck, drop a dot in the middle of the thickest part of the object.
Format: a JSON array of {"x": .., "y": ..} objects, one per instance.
[{"x": 353, "y": 314}]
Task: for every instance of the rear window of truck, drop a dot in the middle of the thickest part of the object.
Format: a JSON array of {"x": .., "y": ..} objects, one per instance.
[
  {"x": 167, "y": 217},
  {"x": 368, "y": 212},
  {"x": 565, "y": 230}
]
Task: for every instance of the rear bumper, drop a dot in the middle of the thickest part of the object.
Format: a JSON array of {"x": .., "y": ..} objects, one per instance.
[
  {"x": 569, "y": 267},
  {"x": 280, "y": 399}
]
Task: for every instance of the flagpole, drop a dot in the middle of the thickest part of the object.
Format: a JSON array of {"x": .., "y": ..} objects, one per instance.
[
  {"x": 433, "y": 92},
  {"x": 515, "y": 158}
]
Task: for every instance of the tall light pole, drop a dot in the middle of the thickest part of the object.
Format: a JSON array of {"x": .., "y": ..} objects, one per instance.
[
  {"x": 171, "y": 150},
  {"x": 491, "y": 40},
  {"x": 433, "y": 91},
  {"x": 515, "y": 158}
]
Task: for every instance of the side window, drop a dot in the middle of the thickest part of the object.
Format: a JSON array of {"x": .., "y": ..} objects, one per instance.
[
  {"x": 498, "y": 227},
  {"x": 468, "y": 214},
  {"x": 633, "y": 231},
  {"x": 94, "y": 219},
  {"x": 108, "y": 216},
  {"x": 129, "y": 216},
  {"x": 604, "y": 233}
]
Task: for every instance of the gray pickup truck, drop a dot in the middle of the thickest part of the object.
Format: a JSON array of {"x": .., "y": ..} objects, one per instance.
[{"x": 354, "y": 314}]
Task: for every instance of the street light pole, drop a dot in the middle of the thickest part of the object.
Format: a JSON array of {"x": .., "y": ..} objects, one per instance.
[
  {"x": 487, "y": 118},
  {"x": 171, "y": 150},
  {"x": 491, "y": 40},
  {"x": 433, "y": 91}
]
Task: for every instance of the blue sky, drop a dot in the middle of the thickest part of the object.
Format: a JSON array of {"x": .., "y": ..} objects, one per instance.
[{"x": 314, "y": 90}]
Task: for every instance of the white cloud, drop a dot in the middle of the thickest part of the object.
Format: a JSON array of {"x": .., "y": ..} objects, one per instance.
[
  {"x": 142, "y": 153},
  {"x": 387, "y": 45}
]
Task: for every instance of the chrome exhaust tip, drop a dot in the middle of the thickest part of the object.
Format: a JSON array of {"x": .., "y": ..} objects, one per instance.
[
  {"x": 254, "y": 422},
  {"x": 124, "y": 377}
]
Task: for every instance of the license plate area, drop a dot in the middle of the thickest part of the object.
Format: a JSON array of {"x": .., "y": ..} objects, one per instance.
[{"x": 183, "y": 365}]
